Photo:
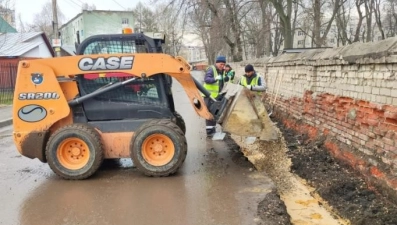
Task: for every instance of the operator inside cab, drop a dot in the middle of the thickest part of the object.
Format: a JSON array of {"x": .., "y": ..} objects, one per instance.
[{"x": 252, "y": 80}]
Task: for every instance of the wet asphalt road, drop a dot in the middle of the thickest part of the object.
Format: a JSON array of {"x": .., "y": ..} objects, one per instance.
[{"x": 212, "y": 187}]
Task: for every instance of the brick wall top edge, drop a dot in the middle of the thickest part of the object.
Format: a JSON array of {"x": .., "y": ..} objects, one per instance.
[
  {"x": 384, "y": 51},
  {"x": 327, "y": 62}
]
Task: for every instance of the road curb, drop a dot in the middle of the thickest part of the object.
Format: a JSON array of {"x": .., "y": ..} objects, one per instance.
[{"x": 6, "y": 122}]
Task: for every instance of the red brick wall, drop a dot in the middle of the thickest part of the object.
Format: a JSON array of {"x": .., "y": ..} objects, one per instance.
[{"x": 357, "y": 132}]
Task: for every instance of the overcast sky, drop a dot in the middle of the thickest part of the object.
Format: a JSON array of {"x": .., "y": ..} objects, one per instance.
[{"x": 70, "y": 8}]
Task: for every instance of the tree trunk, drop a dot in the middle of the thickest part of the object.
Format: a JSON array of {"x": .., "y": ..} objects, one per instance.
[
  {"x": 295, "y": 19},
  {"x": 277, "y": 38},
  {"x": 237, "y": 49},
  {"x": 360, "y": 21},
  {"x": 317, "y": 23},
  {"x": 288, "y": 39},
  {"x": 341, "y": 24},
  {"x": 245, "y": 47},
  {"x": 368, "y": 11},
  {"x": 394, "y": 16},
  {"x": 285, "y": 20},
  {"x": 378, "y": 18},
  {"x": 337, "y": 6},
  {"x": 270, "y": 17},
  {"x": 265, "y": 32}
]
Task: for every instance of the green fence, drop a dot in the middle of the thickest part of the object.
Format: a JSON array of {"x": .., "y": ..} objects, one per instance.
[{"x": 8, "y": 73}]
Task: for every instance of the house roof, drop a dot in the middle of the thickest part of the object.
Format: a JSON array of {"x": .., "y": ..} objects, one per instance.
[
  {"x": 16, "y": 44},
  {"x": 6, "y": 27}
]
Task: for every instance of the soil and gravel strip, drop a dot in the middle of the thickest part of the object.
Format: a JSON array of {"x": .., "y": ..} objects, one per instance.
[
  {"x": 271, "y": 157},
  {"x": 271, "y": 210},
  {"x": 337, "y": 183}
]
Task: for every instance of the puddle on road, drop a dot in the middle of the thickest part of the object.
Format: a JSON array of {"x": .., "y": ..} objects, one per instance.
[{"x": 303, "y": 206}]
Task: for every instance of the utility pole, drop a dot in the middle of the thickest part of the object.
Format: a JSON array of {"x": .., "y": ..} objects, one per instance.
[{"x": 55, "y": 26}]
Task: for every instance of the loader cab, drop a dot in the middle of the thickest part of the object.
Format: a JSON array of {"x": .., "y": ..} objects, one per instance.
[
  {"x": 142, "y": 99},
  {"x": 120, "y": 43}
]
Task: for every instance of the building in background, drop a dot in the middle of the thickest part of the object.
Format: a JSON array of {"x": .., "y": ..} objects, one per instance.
[
  {"x": 5, "y": 27},
  {"x": 192, "y": 48},
  {"x": 93, "y": 22},
  {"x": 25, "y": 45},
  {"x": 8, "y": 15}
]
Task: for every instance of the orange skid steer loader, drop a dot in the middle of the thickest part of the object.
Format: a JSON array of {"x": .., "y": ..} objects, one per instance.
[{"x": 114, "y": 100}]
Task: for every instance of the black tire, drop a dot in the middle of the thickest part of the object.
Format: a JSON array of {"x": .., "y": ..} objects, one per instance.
[
  {"x": 180, "y": 122},
  {"x": 75, "y": 136},
  {"x": 152, "y": 129}
]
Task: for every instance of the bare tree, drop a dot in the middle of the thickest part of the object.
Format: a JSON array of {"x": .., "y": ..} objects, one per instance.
[
  {"x": 255, "y": 30},
  {"x": 378, "y": 18},
  {"x": 170, "y": 22},
  {"x": 145, "y": 18},
  {"x": 304, "y": 25},
  {"x": 321, "y": 20},
  {"x": 43, "y": 21},
  {"x": 369, "y": 7},
  {"x": 86, "y": 6},
  {"x": 284, "y": 11},
  {"x": 361, "y": 17},
  {"x": 390, "y": 19},
  {"x": 342, "y": 20},
  {"x": 317, "y": 19},
  {"x": 266, "y": 35},
  {"x": 278, "y": 36},
  {"x": 317, "y": 22},
  {"x": 259, "y": 27},
  {"x": 7, "y": 12},
  {"x": 205, "y": 25},
  {"x": 336, "y": 5},
  {"x": 230, "y": 27},
  {"x": 229, "y": 18},
  {"x": 200, "y": 20},
  {"x": 21, "y": 24}
]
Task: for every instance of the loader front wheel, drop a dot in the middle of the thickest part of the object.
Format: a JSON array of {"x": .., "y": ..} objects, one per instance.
[
  {"x": 180, "y": 122},
  {"x": 75, "y": 152},
  {"x": 158, "y": 148}
]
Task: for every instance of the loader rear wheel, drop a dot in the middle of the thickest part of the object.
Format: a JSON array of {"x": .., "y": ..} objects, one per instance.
[
  {"x": 158, "y": 148},
  {"x": 75, "y": 152}
]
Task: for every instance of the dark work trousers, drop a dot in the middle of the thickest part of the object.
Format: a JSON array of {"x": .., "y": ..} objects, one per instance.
[{"x": 209, "y": 122}]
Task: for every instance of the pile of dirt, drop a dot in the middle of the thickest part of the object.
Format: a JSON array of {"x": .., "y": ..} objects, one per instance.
[
  {"x": 343, "y": 189},
  {"x": 271, "y": 210},
  {"x": 271, "y": 157},
  {"x": 268, "y": 156}
]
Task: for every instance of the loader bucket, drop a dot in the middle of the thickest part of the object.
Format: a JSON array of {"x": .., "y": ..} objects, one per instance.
[{"x": 245, "y": 114}]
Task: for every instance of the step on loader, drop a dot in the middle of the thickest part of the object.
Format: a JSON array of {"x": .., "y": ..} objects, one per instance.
[{"x": 114, "y": 100}]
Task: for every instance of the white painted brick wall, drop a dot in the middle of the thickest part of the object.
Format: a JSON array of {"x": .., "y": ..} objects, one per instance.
[{"x": 368, "y": 82}]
